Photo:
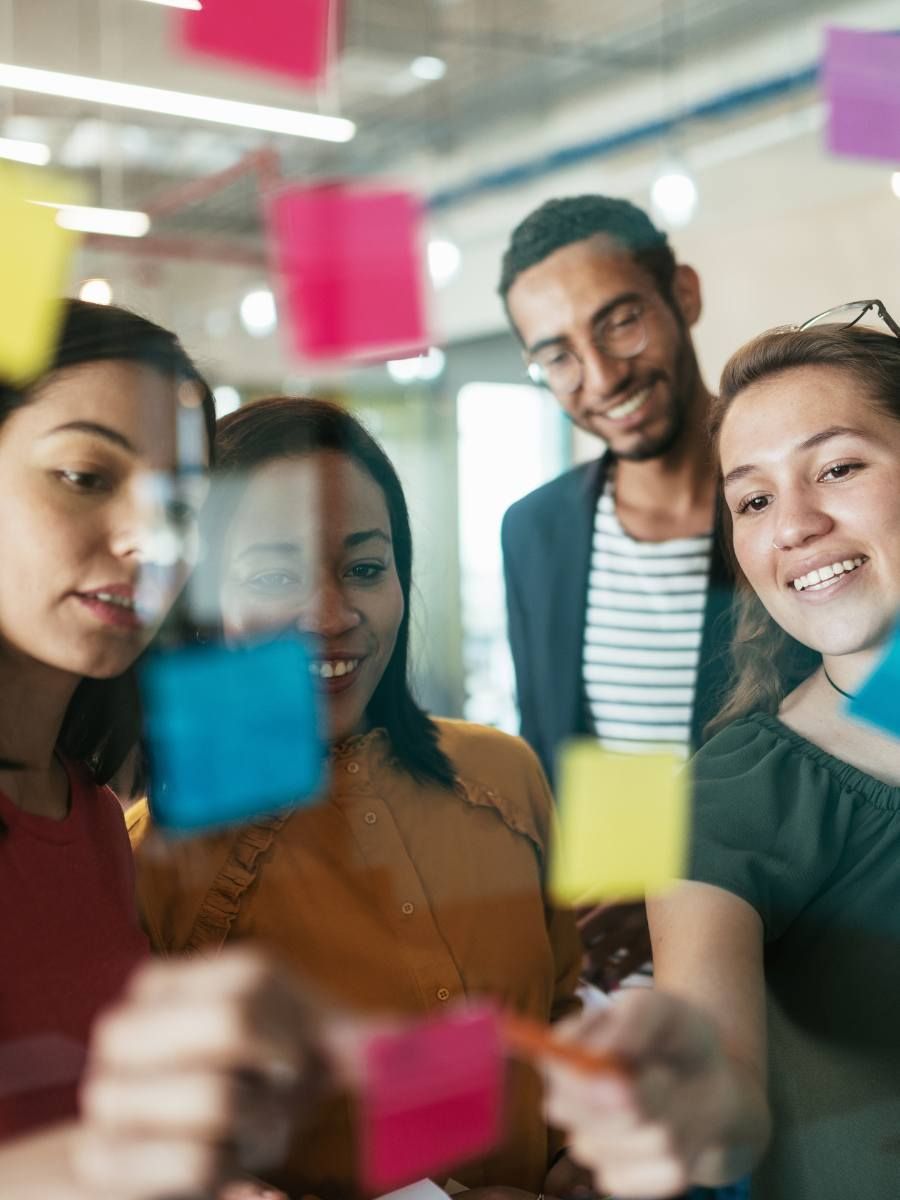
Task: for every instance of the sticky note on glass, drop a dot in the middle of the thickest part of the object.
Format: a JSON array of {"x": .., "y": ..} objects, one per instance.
[
  {"x": 349, "y": 267},
  {"x": 623, "y": 824},
  {"x": 296, "y": 38},
  {"x": 861, "y": 77},
  {"x": 34, "y": 265},
  {"x": 431, "y": 1097},
  {"x": 878, "y": 700},
  {"x": 232, "y": 733}
]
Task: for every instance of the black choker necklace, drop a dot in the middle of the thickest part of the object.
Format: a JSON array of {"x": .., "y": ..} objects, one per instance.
[{"x": 835, "y": 686}]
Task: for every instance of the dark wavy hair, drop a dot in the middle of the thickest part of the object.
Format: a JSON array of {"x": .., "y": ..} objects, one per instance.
[
  {"x": 103, "y": 721},
  {"x": 285, "y": 427},
  {"x": 768, "y": 663},
  {"x": 561, "y": 222}
]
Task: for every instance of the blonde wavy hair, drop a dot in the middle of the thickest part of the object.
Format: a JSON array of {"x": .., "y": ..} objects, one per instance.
[{"x": 768, "y": 663}]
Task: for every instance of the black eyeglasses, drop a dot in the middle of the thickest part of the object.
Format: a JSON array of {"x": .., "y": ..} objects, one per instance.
[{"x": 848, "y": 315}]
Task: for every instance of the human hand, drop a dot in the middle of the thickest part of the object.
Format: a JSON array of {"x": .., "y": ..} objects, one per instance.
[
  {"x": 616, "y": 941},
  {"x": 195, "y": 1075},
  {"x": 643, "y": 1131}
]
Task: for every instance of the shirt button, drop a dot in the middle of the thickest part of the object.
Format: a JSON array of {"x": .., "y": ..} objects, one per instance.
[
  {"x": 443, "y": 994},
  {"x": 352, "y": 768},
  {"x": 370, "y": 818},
  {"x": 407, "y": 909}
]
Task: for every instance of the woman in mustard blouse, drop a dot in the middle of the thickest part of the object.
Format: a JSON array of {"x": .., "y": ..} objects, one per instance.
[{"x": 417, "y": 881}]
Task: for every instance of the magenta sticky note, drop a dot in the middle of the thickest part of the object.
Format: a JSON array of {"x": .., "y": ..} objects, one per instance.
[
  {"x": 431, "y": 1097},
  {"x": 861, "y": 76},
  {"x": 296, "y": 38},
  {"x": 348, "y": 262}
]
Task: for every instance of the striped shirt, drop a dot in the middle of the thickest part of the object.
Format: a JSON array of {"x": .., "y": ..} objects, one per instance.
[{"x": 644, "y": 624}]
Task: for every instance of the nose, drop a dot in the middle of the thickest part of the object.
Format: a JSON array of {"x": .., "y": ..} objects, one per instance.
[
  {"x": 327, "y": 613},
  {"x": 799, "y": 519},
  {"x": 142, "y": 528},
  {"x": 603, "y": 376}
]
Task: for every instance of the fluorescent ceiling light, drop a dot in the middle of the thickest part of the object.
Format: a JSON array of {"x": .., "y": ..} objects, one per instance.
[
  {"x": 35, "y": 153},
  {"x": 428, "y": 67},
  {"x": 195, "y": 5},
  {"x": 96, "y": 291},
  {"x": 176, "y": 104},
  {"x": 116, "y": 222}
]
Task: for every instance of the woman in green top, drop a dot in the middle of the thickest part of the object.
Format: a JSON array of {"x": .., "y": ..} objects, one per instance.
[{"x": 773, "y": 1039}]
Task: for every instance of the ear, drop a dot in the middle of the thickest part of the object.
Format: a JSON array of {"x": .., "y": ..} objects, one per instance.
[{"x": 687, "y": 293}]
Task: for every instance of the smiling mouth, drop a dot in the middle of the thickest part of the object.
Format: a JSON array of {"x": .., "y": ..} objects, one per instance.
[
  {"x": 826, "y": 576},
  {"x": 333, "y": 668},
  {"x": 627, "y": 407}
]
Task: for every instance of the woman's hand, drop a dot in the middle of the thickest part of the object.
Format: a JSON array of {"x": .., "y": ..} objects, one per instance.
[
  {"x": 680, "y": 1112},
  {"x": 196, "y": 1074}
]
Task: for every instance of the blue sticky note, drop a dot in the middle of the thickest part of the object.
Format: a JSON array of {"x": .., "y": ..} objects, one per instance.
[
  {"x": 232, "y": 732},
  {"x": 878, "y": 700}
]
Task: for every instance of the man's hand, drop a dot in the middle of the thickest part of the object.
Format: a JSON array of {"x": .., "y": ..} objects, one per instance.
[{"x": 616, "y": 942}]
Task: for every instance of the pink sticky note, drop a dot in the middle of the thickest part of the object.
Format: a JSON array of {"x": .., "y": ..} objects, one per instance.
[
  {"x": 349, "y": 267},
  {"x": 432, "y": 1097},
  {"x": 290, "y": 37},
  {"x": 861, "y": 74}
]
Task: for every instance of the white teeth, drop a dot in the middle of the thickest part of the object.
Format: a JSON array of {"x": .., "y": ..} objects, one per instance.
[
  {"x": 333, "y": 669},
  {"x": 109, "y": 598},
  {"x": 823, "y": 575},
  {"x": 627, "y": 407}
]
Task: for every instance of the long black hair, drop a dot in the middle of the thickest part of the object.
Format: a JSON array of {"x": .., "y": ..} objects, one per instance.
[
  {"x": 282, "y": 427},
  {"x": 103, "y": 720}
]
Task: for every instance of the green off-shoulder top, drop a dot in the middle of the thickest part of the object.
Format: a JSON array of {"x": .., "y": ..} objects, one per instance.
[{"x": 813, "y": 844}]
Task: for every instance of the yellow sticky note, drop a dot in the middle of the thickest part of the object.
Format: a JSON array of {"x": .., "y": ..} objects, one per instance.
[
  {"x": 34, "y": 263},
  {"x": 623, "y": 824}
]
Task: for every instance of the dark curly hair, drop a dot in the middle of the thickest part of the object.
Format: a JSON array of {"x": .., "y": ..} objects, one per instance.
[{"x": 558, "y": 223}]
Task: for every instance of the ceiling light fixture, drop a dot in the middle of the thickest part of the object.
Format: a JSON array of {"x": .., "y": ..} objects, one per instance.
[
  {"x": 116, "y": 222},
  {"x": 674, "y": 196},
  {"x": 422, "y": 367},
  {"x": 428, "y": 67},
  {"x": 259, "y": 316},
  {"x": 895, "y": 184},
  {"x": 176, "y": 104},
  {"x": 193, "y": 5},
  {"x": 96, "y": 291},
  {"x": 444, "y": 258},
  {"x": 35, "y": 153}
]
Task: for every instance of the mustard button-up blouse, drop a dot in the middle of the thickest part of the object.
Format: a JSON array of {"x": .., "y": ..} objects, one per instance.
[{"x": 396, "y": 897}]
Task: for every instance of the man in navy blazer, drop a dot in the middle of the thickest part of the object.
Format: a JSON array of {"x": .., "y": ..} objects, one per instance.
[{"x": 604, "y": 314}]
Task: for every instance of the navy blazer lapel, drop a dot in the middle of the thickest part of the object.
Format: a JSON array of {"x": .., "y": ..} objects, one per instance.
[{"x": 574, "y": 521}]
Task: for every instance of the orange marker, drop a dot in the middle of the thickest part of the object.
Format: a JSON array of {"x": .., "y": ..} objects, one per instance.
[{"x": 532, "y": 1040}]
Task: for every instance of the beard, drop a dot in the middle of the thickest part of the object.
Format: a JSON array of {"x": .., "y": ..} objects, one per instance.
[{"x": 682, "y": 389}]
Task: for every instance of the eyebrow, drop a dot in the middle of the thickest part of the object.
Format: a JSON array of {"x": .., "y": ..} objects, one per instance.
[
  {"x": 817, "y": 439},
  {"x": 600, "y": 315},
  {"x": 354, "y": 539},
  {"x": 97, "y": 430},
  {"x": 365, "y": 535}
]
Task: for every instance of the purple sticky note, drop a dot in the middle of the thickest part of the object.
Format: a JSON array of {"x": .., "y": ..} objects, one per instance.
[
  {"x": 431, "y": 1097},
  {"x": 290, "y": 37},
  {"x": 349, "y": 266},
  {"x": 861, "y": 75}
]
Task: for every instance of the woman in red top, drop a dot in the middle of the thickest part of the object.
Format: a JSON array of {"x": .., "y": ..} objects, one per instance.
[{"x": 98, "y": 461}]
